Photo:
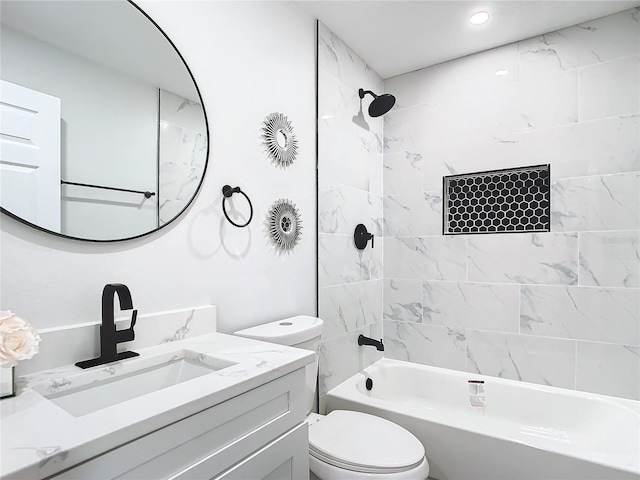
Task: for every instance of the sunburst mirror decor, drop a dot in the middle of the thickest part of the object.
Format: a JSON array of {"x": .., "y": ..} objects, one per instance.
[
  {"x": 285, "y": 224},
  {"x": 279, "y": 140}
]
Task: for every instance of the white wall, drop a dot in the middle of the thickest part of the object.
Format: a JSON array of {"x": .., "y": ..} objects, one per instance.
[
  {"x": 559, "y": 308},
  {"x": 249, "y": 59},
  {"x": 108, "y": 127}
]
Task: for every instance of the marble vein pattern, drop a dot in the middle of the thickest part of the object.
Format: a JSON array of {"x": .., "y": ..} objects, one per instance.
[
  {"x": 337, "y": 59},
  {"x": 582, "y": 313},
  {"x": 547, "y": 361},
  {"x": 151, "y": 329},
  {"x": 549, "y": 101},
  {"x": 608, "y": 202},
  {"x": 339, "y": 261},
  {"x": 345, "y": 308},
  {"x": 453, "y": 156},
  {"x": 402, "y": 300},
  {"x": 403, "y": 172},
  {"x": 599, "y": 100},
  {"x": 581, "y": 45},
  {"x": 530, "y": 258},
  {"x": 341, "y": 208},
  {"x": 474, "y": 75},
  {"x": 341, "y": 357},
  {"x": 609, "y": 369},
  {"x": 472, "y": 305},
  {"x": 610, "y": 259},
  {"x": 413, "y": 214},
  {"x": 597, "y": 147},
  {"x": 427, "y": 258},
  {"x": 437, "y": 346},
  {"x": 182, "y": 151},
  {"x": 349, "y": 142}
]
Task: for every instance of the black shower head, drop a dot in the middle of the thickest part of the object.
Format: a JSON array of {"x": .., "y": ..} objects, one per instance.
[{"x": 381, "y": 103}]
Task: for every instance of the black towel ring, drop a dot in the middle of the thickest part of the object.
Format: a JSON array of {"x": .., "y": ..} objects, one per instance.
[{"x": 227, "y": 191}]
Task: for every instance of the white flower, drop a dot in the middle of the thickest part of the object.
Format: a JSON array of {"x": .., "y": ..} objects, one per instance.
[{"x": 18, "y": 339}]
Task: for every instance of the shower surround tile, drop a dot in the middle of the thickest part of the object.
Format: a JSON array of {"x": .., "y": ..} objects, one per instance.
[
  {"x": 582, "y": 313},
  {"x": 339, "y": 261},
  {"x": 610, "y": 145},
  {"x": 345, "y": 308},
  {"x": 461, "y": 156},
  {"x": 413, "y": 215},
  {"x": 477, "y": 74},
  {"x": 597, "y": 97},
  {"x": 589, "y": 43},
  {"x": 609, "y": 369},
  {"x": 608, "y": 202},
  {"x": 545, "y": 258},
  {"x": 341, "y": 208},
  {"x": 425, "y": 344},
  {"x": 337, "y": 59},
  {"x": 349, "y": 144},
  {"x": 341, "y": 357},
  {"x": 426, "y": 258},
  {"x": 402, "y": 300},
  {"x": 549, "y": 101},
  {"x": 403, "y": 173},
  {"x": 472, "y": 305},
  {"x": 408, "y": 89},
  {"x": 610, "y": 259},
  {"x": 547, "y": 361}
]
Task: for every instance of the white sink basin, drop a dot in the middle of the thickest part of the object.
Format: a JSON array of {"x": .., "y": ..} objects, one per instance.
[{"x": 90, "y": 391}]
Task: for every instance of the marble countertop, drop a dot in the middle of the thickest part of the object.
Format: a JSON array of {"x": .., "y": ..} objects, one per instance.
[{"x": 39, "y": 438}]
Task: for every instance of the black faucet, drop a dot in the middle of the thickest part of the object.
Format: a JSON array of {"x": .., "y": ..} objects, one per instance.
[
  {"x": 109, "y": 336},
  {"x": 362, "y": 340}
]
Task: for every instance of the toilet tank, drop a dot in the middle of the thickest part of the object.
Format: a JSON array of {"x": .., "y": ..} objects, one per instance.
[{"x": 302, "y": 331}]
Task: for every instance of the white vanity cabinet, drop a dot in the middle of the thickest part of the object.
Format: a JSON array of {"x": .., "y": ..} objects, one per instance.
[{"x": 259, "y": 434}]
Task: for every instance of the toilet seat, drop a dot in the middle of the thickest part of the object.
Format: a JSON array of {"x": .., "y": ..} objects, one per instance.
[{"x": 364, "y": 443}]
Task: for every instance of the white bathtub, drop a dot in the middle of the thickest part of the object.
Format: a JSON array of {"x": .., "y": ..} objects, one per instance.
[{"x": 525, "y": 431}]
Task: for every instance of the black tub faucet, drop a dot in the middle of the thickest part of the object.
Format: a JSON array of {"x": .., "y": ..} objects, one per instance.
[
  {"x": 109, "y": 336},
  {"x": 362, "y": 340}
]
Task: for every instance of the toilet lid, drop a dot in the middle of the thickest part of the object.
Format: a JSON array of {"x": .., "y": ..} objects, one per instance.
[{"x": 364, "y": 443}]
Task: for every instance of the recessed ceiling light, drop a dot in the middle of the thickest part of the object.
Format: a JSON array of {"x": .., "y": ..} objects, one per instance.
[
  {"x": 479, "y": 18},
  {"x": 502, "y": 72}
]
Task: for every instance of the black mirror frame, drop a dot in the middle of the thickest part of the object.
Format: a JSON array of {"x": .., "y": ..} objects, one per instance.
[{"x": 204, "y": 172}]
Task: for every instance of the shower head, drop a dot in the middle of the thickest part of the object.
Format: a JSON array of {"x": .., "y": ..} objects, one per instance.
[{"x": 381, "y": 103}]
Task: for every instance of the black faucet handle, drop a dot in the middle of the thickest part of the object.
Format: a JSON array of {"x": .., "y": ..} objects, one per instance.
[
  {"x": 134, "y": 317},
  {"x": 127, "y": 334}
]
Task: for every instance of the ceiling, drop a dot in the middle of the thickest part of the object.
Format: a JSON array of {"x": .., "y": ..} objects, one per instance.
[{"x": 399, "y": 36}]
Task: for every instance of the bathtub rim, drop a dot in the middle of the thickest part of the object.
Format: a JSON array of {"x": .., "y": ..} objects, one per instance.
[{"x": 348, "y": 391}]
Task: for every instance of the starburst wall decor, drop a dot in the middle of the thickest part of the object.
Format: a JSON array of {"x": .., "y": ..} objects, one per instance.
[
  {"x": 279, "y": 140},
  {"x": 284, "y": 224}
]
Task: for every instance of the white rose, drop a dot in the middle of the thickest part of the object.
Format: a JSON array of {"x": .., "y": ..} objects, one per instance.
[{"x": 18, "y": 339}]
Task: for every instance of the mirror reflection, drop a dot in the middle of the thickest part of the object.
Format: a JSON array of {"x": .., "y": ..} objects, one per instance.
[{"x": 102, "y": 131}]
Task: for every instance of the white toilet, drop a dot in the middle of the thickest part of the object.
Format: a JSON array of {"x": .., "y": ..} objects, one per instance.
[{"x": 345, "y": 445}]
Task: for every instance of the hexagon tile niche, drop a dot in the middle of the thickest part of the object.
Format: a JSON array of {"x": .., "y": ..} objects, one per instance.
[{"x": 499, "y": 201}]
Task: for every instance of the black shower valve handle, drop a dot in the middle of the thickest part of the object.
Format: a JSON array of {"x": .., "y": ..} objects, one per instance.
[{"x": 361, "y": 237}]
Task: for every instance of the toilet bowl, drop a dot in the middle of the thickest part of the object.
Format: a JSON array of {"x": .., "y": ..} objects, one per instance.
[{"x": 345, "y": 445}]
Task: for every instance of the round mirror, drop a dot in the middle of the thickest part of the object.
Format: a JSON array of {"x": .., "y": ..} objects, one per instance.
[{"x": 103, "y": 134}]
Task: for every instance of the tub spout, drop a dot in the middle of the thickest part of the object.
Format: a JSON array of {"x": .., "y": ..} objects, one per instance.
[{"x": 362, "y": 340}]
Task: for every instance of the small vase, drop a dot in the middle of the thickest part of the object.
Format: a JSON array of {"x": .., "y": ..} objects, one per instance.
[{"x": 7, "y": 382}]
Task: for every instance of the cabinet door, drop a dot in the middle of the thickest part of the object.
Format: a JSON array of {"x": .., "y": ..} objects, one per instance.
[
  {"x": 287, "y": 458},
  {"x": 214, "y": 439}
]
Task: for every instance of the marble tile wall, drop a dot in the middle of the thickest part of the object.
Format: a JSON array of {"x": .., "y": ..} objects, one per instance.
[
  {"x": 182, "y": 153},
  {"x": 350, "y": 163},
  {"x": 559, "y": 308}
]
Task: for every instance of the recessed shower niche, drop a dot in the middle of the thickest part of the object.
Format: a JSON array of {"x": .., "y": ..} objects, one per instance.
[{"x": 499, "y": 201}]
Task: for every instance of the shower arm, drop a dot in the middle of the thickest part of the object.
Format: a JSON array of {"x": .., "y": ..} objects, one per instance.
[{"x": 362, "y": 92}]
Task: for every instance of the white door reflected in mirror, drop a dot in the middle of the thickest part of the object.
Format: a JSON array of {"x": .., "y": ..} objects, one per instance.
[{"x": 30, "y": 155}]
